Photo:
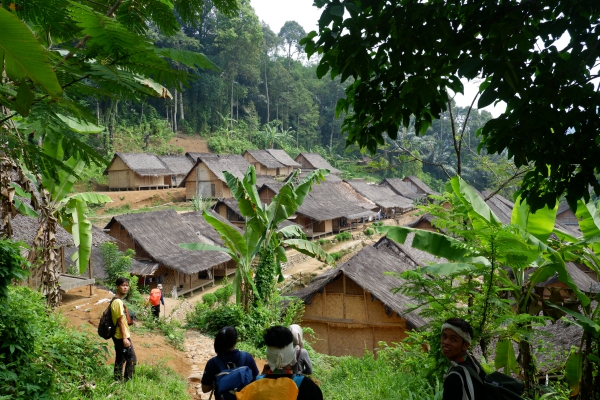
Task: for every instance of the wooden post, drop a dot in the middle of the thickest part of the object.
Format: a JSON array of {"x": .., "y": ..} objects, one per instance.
[
  {"x": 344, "y": 298},
  {"x": 191, "y": 289},
  {"x": 62, "y": 259},
  {"x": 91, "y": 276}
]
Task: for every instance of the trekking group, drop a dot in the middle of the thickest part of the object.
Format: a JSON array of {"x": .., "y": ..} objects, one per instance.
[{"x": 233, "y": 374}]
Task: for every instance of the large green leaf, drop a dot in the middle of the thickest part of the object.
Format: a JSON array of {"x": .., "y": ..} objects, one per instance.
[
  {"x": 92, "y": 198},
  {"x": 573, "y": 371},
  {"x": 539, "y": 224},
  {"x": 24, "y": 56},
  {"x": 476, "y": 207},
  {"x": 230, "y": 234},
  {"x": 81, "y": 126},
  {"x": 505, "y": 357},
  {"x": 447, "y": 269},
  {"x": 292, "y": 231},
  {"x": 588, "y": 325},
  {"x": 310, "y": 249},
  {"x": 81, "y": 231},
  {"x": 188, "y": 58},
  {"x": 589, "y": 222}
]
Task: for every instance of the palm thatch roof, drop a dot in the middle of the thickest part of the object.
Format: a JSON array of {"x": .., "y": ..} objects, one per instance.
[
  {"x": 194, "y": 156},
  {"x": 26, "y": 229},
  {"x": 283, "y": 157},
  {"x": 216, "y": 165},
  {"x": 563, "y": 206},
  {"x": 317, "y": 161},
  {"x": 236, "y": 160},
  {"x": 420, "y": 184},
  {"x": 326, "y": 202},
  {"x": 402, "y": 188},
  {"x": 368, "y": 268},
  {"x": 203, "y": 229},
  {"x": 331, "y": 178},
  {"x": 143, "y": 267},
  {"x": 179, "y": 165},
  {"x": 266, "y": 179},
  {"x": 264, "y": 158},
  {"x": 383, "y": 196},
  {"x": 232, "y": 204},
  {"x": 143, "y": 164},
  {"x": 159, "y": 234}
]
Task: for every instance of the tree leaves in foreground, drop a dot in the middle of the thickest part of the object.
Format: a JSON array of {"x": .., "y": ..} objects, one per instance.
[{"x": 404, "y": 58}]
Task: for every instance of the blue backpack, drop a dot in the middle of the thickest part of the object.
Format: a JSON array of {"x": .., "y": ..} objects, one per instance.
[{"x": 231, "y": 379}]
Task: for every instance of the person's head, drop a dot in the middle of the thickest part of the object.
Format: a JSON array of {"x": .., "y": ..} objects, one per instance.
[
  {"x": 297, "y": 334},
  {"x": 159, "y": 286},
  {"x": 226, "y": 339},
  {"x": 280, "y": 347},
  {"x": 122, "y": 285},
  {"x": 456, "y": 338}
]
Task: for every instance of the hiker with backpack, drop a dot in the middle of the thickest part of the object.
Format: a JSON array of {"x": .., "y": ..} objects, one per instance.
[
  {"x": 303, "y": 365},
  {"x": 124, "y": 352},
  {"x": 280, "y": 383},
  {"x": 156, "y": 299},
  {"x": 231, "y": 369}
]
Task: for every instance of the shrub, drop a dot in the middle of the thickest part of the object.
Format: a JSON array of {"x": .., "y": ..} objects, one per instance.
[
  {"x": 369, "y": 232},
  {"x": 336, "y": 255},
  {"x": 321, "y": 242},
  {"x": 209, "y": 299},
  {"x": 117, "y": 263},
  {"x": 224, "y": 294},
  {"x": 343, "y": 236}
]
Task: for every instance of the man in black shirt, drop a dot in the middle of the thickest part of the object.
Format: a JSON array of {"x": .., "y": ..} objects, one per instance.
[{"x": 456, "y": 339}]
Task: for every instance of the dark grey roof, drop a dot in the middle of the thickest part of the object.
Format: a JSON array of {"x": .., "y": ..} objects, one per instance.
[
  {"x": 419, "y": 183},
  {"x": 144, "y": 164},
  {"x": 283, "y": 157},
  {"x": 159, "y": 233},
  {"x": 317, "y": 161},
  {"x": 195, "y": 156},
  {"x": 26, "y": 228},
  {"x": 264, "y": 158},
  {"x": 143, "y": 267},
  {"x": 367, "y": 268},
  {"x": 203, "y": 229},
  {"x": 383, "y": 196},
  {"x": 237, "y": 161},
  {"x": 402, "y": 188},
  {"x": 325, "y": 202},
  {"x": 262, "y": 179},
  {"x": 179, "y": 165}
]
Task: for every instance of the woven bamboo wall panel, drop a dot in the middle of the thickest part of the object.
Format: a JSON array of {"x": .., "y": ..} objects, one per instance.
[
  {"x": 328, "y": 225},
  {"x": 315, "y": 308},
  {"x": 344, "y": 341},
  {"x": 389, "y": 335},
  {"x": 376, "y": 312},
  {"x": 352, "y": 287},
  {"x": 355, "y": 308},
  {"x": 118, "y": 179},
  {"x": 318, "y": 341},
  {"x": 334, "y": 307},
  {"x": 190, "y": 189},
  {"x": 336, "y": 286}
]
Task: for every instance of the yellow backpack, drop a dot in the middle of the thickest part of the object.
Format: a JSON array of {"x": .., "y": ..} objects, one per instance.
[{"x": 271, "y": 389}]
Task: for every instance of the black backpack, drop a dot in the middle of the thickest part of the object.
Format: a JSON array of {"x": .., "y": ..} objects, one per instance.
[
  {"x": 496, "y": 386},
  {"x": 231, "y": 378},
  {"x": 106, "y": 327}
]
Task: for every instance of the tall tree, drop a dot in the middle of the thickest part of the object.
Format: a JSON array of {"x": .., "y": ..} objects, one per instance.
[
  {"x": 291, "y": 33},
  {"x": 403, "y": 67}
]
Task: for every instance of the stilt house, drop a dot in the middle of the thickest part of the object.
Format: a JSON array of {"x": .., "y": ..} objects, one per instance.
[
  {"x": 179, "y": 166},
  {"x": 206, "y": 178},
  {"x": 351, "y": 308},
  {"x": 315, "y": 161},
  {"x": 135, "y": 171},
  {"x": 390, "y": 204},
  {"x": 264, "y": 163},
  {"x": 155, "y": 238}
]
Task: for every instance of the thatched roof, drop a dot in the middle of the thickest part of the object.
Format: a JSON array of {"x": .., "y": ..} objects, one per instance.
[
  {"x": 331, "y": 178},
  {"x": 179, "y": 165},
  {"x": 264, "y": 158},
  {"x": 143, "y": 267},
  {"x": 99, "y": 237},
  {"x": 216, "y": 165},
  {"x": 419, "y": 183},
  {"x": 317, "y": 161},
  {"x": 563, "y": 207},
  {"x": 26, "y": 228},
  {"x": 368, "y": 268},
  {"x": 237, "y": 161},
  {"x": 232, "y": 204},
  {"x": 402, "y": 188},
  {"x": 195, "y": 156},
  {"x": 326, "y": 202},
  {"x": 383, "y": 196},
  {"x": 143, "y": 164},
  {"x": 283, "y": 157},
  {"x": 203, "y": 229},
  {"x": 265, "y": 179},
  {"x": 159, "y": 233}
]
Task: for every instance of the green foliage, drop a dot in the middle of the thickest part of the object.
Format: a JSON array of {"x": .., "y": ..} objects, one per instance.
[
  {"x": 264, "y": 278},
  {"x": 343, "y": 236},
  {"x": 223, "y": 294},
  {"x": 209, "y": 299},
  {"x": 117, "y": 263},
  {"x": 41, "y": 358},
  {"x": 12, "y": 265},
  {"x": 369, "y": 232},
  {"x": 335, "y": 255}
]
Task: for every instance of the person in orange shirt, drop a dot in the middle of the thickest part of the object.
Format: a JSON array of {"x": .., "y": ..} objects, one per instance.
[{"x": 122, "y": 339}]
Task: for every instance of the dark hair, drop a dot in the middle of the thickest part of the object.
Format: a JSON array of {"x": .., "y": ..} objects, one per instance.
[
  {"x": 121, "y": 281},
  {"x": 462, "y": 324},
  {"x": 225, "y": 339},
  {"x": 278, "y": 336}
]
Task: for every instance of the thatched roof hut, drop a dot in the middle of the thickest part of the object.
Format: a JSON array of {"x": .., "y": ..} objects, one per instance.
[
  {"x": 391, "y": 203},
  {"x": 136, "y": 171},
  {"x": 352, "y": 307},
  {"x": 194, "y": 156},
  {"x": 265, "y": 164},
  {"x": 155, "y": 236},
  {"x": 283, "y": 157},
  {"x": 315, "y": 161},
  {"x": 206, "y": 177},
  {"x": 180, "y": 166},
  {"x": 402, "y": 188}
]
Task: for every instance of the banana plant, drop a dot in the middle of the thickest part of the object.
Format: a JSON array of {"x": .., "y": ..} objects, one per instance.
[
  {"x": 262, "y": 234},
  {"x": 488, "y": 248}
]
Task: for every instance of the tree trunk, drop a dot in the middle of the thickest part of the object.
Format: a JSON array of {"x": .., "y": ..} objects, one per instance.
[
  {"x": 267, "y": 92},
  {"x": 181, "y": 115},
  {"x": 297, "y": 129},
  {"x": 231, "y": 110},
  {"x": 142, "y": 113},
  {"x": 527, "y": 361},
  {"x": 44, "y": 254},
  {"x": 331, "y": 134},
  {"x": 175, "y": 100}
]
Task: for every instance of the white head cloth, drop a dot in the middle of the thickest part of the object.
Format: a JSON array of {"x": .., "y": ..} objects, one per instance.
[
  {"x": 297, "y": 333},
  {"x": 465, "y": 335},
  {"x": 279, "y": 358}
]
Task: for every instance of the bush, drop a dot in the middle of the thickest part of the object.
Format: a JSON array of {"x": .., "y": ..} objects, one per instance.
[
  {"x": 369, "y": 232},
  {"x": 224, "y": 294},
  {"x": 209, "y": 299},
  {"x": 321, "y": 242},
  {"x": 336, "y": 255},
  {"x": 117, "y": 263},
  {"x": 343, "y": 236}
]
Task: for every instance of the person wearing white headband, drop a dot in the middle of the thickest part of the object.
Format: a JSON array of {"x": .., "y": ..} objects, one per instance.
[{"x": 456, "y": 338}]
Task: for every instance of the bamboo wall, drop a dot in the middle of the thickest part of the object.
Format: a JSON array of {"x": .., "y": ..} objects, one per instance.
[
  {"x": 346, "y": 321},
  {"x": 303, "y": 162},
  {"x": 202, "y": 181},
  {"x": 266, "y": 195},
  {"x": 120, "y": 176},
  {"x": 260, "y": 169}
]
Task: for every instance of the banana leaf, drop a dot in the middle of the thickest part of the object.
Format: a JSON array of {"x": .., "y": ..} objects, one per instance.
[
  {"x": 310, "y": 249},
  {"x": 539, "y": 224},
  {"x": 505, "y": 357}
]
